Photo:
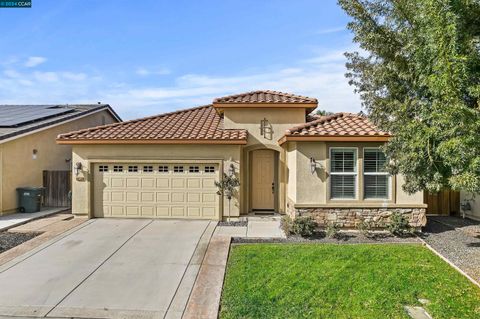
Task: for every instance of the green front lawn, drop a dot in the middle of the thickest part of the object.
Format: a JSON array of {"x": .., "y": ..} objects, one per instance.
[{"x": 342, "y": 281}]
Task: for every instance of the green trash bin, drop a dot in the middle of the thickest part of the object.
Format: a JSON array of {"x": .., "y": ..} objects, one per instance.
[{"x": 29, "y": 199}]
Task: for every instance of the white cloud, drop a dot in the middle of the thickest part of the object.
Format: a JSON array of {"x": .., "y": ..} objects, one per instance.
[
  {"x": 331, "y": 30},
  {"x": 321, "y": 76},
  {"x": 155, "y": 71},
  {"x": 33, "y": 61}
]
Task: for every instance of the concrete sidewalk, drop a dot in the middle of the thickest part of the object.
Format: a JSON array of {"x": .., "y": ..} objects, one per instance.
[
  {"x": 257, "y": 228},
  {"x": 13, "y": 220}
]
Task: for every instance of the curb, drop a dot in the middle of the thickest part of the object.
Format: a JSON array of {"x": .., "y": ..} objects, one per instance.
[{"x": 450, "y": 263}]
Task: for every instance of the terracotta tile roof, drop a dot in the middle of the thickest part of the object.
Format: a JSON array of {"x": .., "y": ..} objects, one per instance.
[
  {"x": 265, "y": 97},
  {"x": 339, "y": 124},
  {"x": 195, "y": 125}
]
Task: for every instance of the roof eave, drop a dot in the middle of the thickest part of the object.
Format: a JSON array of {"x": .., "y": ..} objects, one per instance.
[
  {"x": 149, "y": 141},
  {"x": 309, "y": 107},
  {"x": 333, "y": 138}
]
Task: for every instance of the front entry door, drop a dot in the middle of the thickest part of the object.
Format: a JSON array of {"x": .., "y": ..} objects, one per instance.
[{"x": 263, "y": 179}]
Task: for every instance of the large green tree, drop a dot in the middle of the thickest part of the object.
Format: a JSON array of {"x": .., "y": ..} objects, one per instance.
[{"x": 418, "y": 75}]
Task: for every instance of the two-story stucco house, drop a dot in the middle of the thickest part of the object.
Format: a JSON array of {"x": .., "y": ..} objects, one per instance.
[{"x": 287, "y": 161}]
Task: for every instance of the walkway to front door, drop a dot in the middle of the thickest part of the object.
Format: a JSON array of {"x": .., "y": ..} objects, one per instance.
[
  {"x": 263, "y": 180},
  {"x": 108, "y": 269}
]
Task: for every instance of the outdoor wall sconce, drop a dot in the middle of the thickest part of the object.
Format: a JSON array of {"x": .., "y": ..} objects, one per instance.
[
  {"x": 231, "y": 170},
  {"x": 314, "y": 165},
  {"x": 78, "y": 168},
  {"x": 34, "y": 153}
]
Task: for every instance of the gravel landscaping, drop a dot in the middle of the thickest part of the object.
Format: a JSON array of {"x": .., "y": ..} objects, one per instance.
[
  {"x": 349, "y": 237},
  {"x": 456, "y": 239},
  {"x": 9, "y": 240}
]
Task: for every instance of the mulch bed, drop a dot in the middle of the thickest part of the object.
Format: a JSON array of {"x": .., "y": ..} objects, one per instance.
[
  {"x": 9, "y": 240},
  {"x": 341, "y": 238}
]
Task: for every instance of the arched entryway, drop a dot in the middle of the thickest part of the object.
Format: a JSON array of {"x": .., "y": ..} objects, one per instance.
[{"x": 263, "y": 181}]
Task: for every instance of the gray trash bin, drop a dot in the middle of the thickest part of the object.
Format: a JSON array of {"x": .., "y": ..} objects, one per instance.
[{"x": 29, "y": 199}]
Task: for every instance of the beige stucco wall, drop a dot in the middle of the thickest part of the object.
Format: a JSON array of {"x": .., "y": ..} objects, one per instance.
[
  {"x": 312, "y": 190},
  {"x": 474, "y": 203},
  {"x": 88, "y": 154},
  {"x": 19, "y": 168},
  {"x": 249, "y": 119}
]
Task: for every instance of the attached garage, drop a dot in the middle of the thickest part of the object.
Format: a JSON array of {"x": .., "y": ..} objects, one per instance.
[{"x": 156, "y": 190}]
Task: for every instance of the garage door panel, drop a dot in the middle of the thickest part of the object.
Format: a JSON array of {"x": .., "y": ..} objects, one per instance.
[
  {"x": 178, "y": 197},
  {"x": 163, "y": 183},
  {"x": 148, "y": 183},
  {"x": 178, "y": 211},
  {"x": 132, "y": 196},
  {"x": 117, "y": 196},
  {"x": 148, "y": 197},
  {"x": 117, "y": 182},
  {"x": 160, "y": 191},
  {"x": 178, "y": 182}
]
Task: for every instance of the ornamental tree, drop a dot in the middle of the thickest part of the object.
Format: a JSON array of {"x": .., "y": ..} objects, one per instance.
[{"x": 418, "y": 76}]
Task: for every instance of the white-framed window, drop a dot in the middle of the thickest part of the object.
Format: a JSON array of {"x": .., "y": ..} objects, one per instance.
[
  {"x": 209, "y": 169},
  {"x": 163, "y": 169},
  {"x": 118, "y": 168},
  {"x": 194, "y": 169},
  {"x": 133, "y": 168},
  {"x": 343, "y": 173},
  {"x": 103, "y": 168},
  {"x": 178, "y": 169},
  {"x": 376, "y": 180},
  {"x": 148, "y": 169}
]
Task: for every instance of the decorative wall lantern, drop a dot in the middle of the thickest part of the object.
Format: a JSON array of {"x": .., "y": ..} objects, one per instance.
[
  {"x": 314, "y": 165},
  {"x": 231, "y": 170},
  {"x": 78, "y": 167},
  {"x": 34, "y": 153},
  {"x": 266, "y": 129}
]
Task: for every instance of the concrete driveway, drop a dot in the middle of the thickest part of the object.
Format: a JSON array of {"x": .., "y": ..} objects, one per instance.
[{"x": 106, "y": 268}]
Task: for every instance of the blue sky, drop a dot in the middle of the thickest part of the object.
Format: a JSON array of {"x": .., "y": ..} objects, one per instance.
[{"x": 148, "y": 57}]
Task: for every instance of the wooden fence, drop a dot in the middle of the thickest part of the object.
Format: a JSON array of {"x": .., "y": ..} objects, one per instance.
[
  {"x": 57, "y": 186},
  {"x": 446, "y": 202}
]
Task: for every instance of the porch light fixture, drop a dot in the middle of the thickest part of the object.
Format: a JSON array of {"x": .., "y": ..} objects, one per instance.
[
  {"x": 231, "y": 170},
  {"x": 313, "y": 165},
  {"x": 78, "y": 168},
  {"x": 266, "y": 129}
]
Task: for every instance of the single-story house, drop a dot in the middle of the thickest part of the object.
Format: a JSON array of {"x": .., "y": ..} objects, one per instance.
[
  {"x": 287, "y": 160},
  {"x": 28, "y": 143}
]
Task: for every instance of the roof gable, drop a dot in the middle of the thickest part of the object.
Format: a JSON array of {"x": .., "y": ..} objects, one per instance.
[{"x": 265, "y": 96}]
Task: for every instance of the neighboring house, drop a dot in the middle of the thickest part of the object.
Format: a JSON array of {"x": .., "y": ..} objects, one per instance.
[
  {"x": 288, "y": 161},
  {"x": 28, "y": 146}
]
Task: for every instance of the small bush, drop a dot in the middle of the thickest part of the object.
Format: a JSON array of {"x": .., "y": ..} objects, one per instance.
[
  {"x": 286, "y": 225},
  {"x": 398, "y": 225},
  {"x": 332, "y": 230},
  {"x": 303, "y": 226},
  {"x": 365, "y": 228}
]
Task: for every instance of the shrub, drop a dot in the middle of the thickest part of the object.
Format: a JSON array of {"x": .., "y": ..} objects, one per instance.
[
  {"x": 286, "y": 225},
  {"x": 303, "y": 226},
  {"x": 399, "y": 225},
  {"x": 332, "y": 230},
  {"x": 365, "y": 228}
]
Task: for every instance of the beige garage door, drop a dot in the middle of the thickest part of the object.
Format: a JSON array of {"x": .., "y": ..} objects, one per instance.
[{"x": 156, "y": 190}]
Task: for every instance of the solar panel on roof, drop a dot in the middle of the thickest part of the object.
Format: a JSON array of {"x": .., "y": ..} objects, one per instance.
[{"x": 18, "y": 115}]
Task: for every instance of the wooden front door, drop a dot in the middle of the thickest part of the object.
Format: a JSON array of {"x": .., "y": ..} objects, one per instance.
[{"x": 263, "y": 179}]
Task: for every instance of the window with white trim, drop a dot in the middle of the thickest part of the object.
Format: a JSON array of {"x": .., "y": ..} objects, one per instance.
[
  {"x": 194, "y": 169},
  {"x": 178, "y": 169},
  {"x": 375, "y": 178},
  {"x": 209, "y": 169},
  {"x": 343, "y": 173},
  {"x": 148, "y": 169},
  {"x": 118, "y": 168},
  {"x": 163, "y": 169}
]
